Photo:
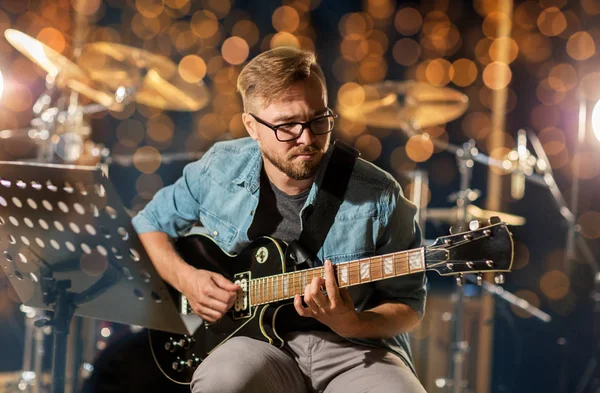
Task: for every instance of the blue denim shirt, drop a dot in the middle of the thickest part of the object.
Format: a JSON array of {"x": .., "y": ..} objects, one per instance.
[{"x": 221, "y": 191}]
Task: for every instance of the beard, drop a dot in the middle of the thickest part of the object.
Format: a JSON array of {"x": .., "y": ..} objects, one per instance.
[{"x": 297, "y": 169}]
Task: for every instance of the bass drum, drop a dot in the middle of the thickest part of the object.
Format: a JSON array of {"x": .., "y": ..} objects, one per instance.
[{"x": 415, "y": 185}]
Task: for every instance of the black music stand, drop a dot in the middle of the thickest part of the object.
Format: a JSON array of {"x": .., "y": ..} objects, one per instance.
[{"x": 67, "y": 245}]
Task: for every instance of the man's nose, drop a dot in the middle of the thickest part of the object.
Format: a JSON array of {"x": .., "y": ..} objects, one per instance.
[{"x": 307, "y": 137}]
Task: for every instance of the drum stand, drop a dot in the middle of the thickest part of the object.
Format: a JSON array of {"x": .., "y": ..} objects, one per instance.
[{"x": 465, "y": 158}]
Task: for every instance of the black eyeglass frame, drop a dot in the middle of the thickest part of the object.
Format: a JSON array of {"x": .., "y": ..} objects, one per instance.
[{"x": 306, "y": 124}]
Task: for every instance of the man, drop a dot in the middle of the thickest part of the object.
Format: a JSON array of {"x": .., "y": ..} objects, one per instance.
[{"x": 265, "y": 185}]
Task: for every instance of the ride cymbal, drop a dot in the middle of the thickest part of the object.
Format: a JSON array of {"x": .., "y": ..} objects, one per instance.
[
  {"x": 450, "y": 215},
  {"x": 147, "y": 78},
  {"x": 402, "y": 105},
  {"x": 64, "y": 71}
]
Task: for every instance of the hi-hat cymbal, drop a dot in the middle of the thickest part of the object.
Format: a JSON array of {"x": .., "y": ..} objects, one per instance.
[
  {"x": 407, "y": 105},
  {"x": 450, "y": 215},
  {"x": 151, "y": 79},
  {"x": 65, "y": 72}
]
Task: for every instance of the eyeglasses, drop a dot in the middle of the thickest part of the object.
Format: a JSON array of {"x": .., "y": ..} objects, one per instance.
[{"x": 290, "y": 131}]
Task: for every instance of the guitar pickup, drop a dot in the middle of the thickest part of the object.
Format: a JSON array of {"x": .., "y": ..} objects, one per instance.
[{"x": 241, "y": 307}]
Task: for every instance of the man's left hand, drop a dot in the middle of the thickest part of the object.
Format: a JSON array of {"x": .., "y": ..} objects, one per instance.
[{"x": 334, "y": 309}]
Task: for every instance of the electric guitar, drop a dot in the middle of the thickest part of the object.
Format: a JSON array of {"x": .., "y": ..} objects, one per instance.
[{"x": 260, "y": 270}]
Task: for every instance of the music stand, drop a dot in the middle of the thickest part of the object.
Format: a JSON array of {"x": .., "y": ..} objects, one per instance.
[{"x": 67, "y": 245}]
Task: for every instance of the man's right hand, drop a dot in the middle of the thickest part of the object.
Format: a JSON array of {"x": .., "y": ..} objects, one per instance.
[{"x": 210, "y": 294}]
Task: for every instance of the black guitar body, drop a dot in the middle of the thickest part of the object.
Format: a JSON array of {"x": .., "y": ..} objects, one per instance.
[
  {"x": 178, "y": 356},
  {"x": 265, "y": 289}
]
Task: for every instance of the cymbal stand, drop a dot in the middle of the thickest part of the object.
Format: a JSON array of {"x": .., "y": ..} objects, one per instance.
[
  {"x": 465, "y": 195},
  {"x": 30, "y": 378},
  {"x": 45, "y": 122}
]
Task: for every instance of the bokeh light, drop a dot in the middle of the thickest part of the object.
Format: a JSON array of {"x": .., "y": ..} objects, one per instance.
[
  {"x": 408, "y": 21},
  {"x": 192, "y": 68},
  {"x": 554, "y": 284},
  {"x": 581, "y": 46},
  {"x": 235, "y": 50},
  {"x": 419, "y": 148},
  {"x": 497, "y": 75},
  {"x": 551, "y": 22}
]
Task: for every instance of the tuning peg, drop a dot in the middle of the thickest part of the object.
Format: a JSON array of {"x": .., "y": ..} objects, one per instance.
[
  {"x": 499, "y": 278},
  {"x": 474, "y": 225},
  {"x": 495, "y": 220},
  {"x": 454, "y": 229},
  {"x": 460, "y": 280},
  {"x": 479, "y": 279}
]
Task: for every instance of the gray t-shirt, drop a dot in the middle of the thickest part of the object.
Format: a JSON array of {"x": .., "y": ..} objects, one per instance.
[{"x": 278, "y": 216}]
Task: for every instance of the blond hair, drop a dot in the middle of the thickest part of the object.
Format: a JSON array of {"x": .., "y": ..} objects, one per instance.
[{"x": 271, "y": 74}]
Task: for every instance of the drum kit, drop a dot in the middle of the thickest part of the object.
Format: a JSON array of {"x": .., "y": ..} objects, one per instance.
[{"x": 109, "y": 76}]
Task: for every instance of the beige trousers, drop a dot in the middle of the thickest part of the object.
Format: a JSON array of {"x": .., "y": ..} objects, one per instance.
[{"x": 310, "y": 362}]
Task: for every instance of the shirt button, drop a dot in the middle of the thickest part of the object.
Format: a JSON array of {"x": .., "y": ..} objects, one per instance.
[{"x": 215, "y": 233}]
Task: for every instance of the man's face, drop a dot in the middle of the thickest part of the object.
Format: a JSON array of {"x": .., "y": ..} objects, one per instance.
[{"x": 298, "y": 159}]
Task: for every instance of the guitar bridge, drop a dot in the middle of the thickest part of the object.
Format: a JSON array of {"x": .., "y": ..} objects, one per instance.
[{"x": 241, "y": 307}]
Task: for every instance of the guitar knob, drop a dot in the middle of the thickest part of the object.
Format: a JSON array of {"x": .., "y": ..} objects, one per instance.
[
  {"x": 171, "y": 345},
  {"x": 499, "y": 278},
  {"x": 185, "y": 343},
  {"x": 193, "y": 362},
  {"x": 179, "y": 365},
  {"x": 474, "y": 225}
]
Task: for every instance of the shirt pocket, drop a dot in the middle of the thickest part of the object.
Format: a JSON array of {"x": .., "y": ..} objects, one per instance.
[
  {"x": 350, "y": 240},
  {"x": 221, "y": 231}
]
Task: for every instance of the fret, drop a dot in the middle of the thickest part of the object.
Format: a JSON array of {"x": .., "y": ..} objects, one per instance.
[
  {"x": 286, "y": 291},
  {"x": 276, "y": 294},
  {"x": 270, "y": 289},
  {"x": 257, "y": 290},
  {"x": 264, "y": 290}
]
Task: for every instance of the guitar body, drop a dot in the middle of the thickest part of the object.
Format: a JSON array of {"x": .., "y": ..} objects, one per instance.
[{"x": 178, "y": 356}]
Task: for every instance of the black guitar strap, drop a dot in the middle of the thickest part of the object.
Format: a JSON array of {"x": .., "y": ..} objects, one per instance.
[{"x": 332, "y": 189}]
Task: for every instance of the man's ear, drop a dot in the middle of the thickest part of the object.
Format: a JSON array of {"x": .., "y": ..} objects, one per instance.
[{"x": 250, "y": 125}]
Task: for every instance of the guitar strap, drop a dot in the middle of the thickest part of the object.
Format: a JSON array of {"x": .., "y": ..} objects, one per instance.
[{"x": 332, "y": 189}]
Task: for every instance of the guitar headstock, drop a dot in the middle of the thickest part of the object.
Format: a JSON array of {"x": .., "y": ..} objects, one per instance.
[{"x": 486, "y": 249}]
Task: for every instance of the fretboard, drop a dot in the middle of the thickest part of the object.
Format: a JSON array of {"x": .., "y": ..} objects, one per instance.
[{"x": 285, "y": 286}]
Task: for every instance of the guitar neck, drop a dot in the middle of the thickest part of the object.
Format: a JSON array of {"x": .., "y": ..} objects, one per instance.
[{"x": 285, "y": 286}]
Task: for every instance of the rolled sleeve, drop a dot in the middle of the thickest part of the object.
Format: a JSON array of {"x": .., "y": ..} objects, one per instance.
[
  {"x": 401, "y": 233},
  {"x": 174, "y": 209}
]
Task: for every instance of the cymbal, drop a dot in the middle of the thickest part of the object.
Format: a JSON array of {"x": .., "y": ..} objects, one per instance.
[
  {"x": 402, "y": 105},
  {"x": 58, "y": 66},
  {"x": 450, "y": 215},
  {"x": 151, "y": 79}
]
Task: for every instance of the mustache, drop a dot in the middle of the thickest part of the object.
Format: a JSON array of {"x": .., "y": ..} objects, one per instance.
[{"x": 305, "y": 150}]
